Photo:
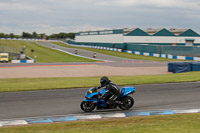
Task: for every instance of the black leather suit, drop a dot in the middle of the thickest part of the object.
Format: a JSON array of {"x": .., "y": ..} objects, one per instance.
[{"x": 113, "y": 92}]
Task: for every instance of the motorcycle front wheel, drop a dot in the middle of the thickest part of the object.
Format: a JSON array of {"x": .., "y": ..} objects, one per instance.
[
  {"x": 87, "y": 106},
  {"x": 126, "y": 103}
]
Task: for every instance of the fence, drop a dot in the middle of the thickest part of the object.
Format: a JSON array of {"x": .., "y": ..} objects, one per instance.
[
  {"x": 193, "y": 51},
  {"x": 173, "y": 50},
  {"x": 13, "y": 50}
]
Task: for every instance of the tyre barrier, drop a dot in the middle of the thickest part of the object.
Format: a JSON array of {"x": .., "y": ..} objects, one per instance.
[{"x": 179, "y": 67}]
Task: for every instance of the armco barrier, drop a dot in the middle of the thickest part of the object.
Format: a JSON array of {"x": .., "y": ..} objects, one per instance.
[
  {"x": 89, "y": 117},
  {"x": 168, "y": 56}
]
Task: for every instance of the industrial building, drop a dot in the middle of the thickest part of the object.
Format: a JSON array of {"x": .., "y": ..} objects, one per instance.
[
  {"x": 151, "y": 40},
  {"x": 148, "y": 36}
]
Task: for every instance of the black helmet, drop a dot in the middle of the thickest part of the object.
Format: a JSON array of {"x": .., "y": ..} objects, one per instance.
[{"x": 104, "y": 81}]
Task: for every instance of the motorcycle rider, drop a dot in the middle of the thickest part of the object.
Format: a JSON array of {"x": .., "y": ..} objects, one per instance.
[{"x": 113, "y": 92}]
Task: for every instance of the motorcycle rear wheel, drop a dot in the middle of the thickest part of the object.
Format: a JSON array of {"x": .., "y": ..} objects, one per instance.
[
  {"x": 126, "y": 103},
  {"x": 87, "y": 106}
]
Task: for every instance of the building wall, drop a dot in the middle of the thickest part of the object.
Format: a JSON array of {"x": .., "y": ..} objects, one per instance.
[
  {"x": 110, "y": 38},
  {"x": 105, "y": 36},
  {"x": 158, "y": 39},
  {"x": 137, "y": 36}
]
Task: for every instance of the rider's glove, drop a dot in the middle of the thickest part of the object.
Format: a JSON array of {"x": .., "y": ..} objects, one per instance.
[
  {"x": 99, "y": 87},
  {"x": 94, "y": 89}
]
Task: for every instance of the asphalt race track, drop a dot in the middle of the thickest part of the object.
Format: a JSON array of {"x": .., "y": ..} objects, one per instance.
[
  {"x": 67, "y": 101},
  {"x": 115, "y": 61},
  {"x": 31, "y": 104},
  {"x": 116, "y": 66}
]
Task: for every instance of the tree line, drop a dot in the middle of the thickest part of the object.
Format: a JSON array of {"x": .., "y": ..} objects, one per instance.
[{"x": 35, "y": 35}]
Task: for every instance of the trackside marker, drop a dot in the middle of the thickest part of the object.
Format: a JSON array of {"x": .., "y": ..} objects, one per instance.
[
  {"x": 137, "y": 114},
  {"x": 162, "y": 112},
  {"x": 186, "y": 111},
  {"x": 64, "y": 118},
  {"x": 82, "y": 117},
  {"x": 39, "y": 120},
  {"x": 115, "y": 115},
  {"x": 14, "y": 122}
]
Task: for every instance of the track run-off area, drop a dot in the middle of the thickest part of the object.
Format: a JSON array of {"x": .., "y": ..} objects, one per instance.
[{"x": 110, "y": 66}]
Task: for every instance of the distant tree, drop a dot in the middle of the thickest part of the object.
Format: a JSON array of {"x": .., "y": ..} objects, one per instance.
[
  {"x": 34, "y": 35},
  {"x": 62, "y": 35},
  {"x": 53, "y": 36},
  {"x": 2, "y": 35},
  {"x": 12, "y": 35},
  {"x": 71, "y": 35},
  {"x": 42, "y": 36},
  {"x": 24, "y": 34},
  {"x": 6, "y": 36},
  {"x": 18, "y": 36},
  {"x": 29, "y": 35}
]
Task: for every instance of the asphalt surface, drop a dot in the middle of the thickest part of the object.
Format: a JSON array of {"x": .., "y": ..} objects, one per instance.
[
  {"x": 115, "y": 61},
  {"x": 82, "y": 52},
  {"x": 15, "y": 105},
  {"x": 67, "y": 101}
]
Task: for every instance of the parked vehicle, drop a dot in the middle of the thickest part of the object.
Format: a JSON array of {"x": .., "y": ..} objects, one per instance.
[{"x": 4, "y": 57}]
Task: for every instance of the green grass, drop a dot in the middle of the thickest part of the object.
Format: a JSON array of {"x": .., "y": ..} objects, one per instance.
[
  {"x": 43, "y": 54},
  {"x": 181, "y": 123},
  {"x": 118, "y": 54},
  {"x": 27, "y": 84}
]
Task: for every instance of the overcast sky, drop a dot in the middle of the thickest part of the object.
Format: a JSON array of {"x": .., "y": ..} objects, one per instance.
[{"x": 54, "y": 16}]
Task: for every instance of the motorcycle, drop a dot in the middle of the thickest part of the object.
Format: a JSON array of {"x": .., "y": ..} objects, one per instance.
[{"x": 92, "y": 100}]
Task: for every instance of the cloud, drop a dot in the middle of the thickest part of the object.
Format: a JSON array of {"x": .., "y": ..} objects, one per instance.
[
  {"x": 154, "y": 3},
  {"x": 51, "y": 16}
]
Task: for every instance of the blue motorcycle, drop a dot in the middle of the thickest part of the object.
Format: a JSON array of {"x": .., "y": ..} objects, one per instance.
[{"x": 92, "y": 100}]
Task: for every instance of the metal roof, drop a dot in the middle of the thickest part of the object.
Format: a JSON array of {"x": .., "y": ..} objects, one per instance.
[{"x": 177, "y": 31}]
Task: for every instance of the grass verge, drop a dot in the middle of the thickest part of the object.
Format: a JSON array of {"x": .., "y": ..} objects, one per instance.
[
  {"x": 180, "y": 123},
  {"x": 29, "y": 84},
  {"x": 118, "y": 54},
  {"x": 43, "y": 54}
]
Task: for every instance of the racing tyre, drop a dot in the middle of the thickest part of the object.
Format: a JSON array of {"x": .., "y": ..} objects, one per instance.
[
  {"x": 87, "y": 106},
  {"x": 126, "y": 103}
]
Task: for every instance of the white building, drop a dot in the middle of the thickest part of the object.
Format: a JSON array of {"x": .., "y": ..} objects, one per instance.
[{"x": 160, "y": 36}]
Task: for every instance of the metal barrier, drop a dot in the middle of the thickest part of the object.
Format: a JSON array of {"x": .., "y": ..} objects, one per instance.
[
  {"x": 7, "y": 49},
  {"x": 181, "y": 50},
  {"x": 193, "y": 51}
]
